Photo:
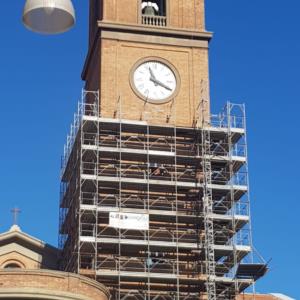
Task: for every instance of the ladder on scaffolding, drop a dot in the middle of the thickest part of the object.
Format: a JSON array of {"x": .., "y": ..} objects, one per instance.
[{"x": 207, "y": 198}]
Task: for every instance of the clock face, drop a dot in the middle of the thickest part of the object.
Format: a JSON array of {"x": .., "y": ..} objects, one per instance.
[{"x": 154, "y": 81}]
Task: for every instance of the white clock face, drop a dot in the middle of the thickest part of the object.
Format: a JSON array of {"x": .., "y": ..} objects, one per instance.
[{"x": 154, "y": 81}]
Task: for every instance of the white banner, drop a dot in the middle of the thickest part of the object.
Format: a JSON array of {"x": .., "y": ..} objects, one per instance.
[{"x": 129, "y": 221}]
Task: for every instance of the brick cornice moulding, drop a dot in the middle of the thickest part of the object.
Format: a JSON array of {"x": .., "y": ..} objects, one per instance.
[
  {"x": 146, "y": 34},
  {"x": 156, "y": 30}
]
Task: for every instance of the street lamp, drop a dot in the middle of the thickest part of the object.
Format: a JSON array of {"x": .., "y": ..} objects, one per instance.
[{"x": 49, "y": 16}]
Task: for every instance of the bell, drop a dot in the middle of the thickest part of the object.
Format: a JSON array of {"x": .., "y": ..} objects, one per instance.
[{"x": 49, "y": 16}]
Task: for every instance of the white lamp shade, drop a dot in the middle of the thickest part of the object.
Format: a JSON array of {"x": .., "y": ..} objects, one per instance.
[{"x": 49, "y": 16}]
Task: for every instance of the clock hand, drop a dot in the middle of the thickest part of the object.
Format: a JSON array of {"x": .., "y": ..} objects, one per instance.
[
  {"x": 152, "y": 76},
  {"x": 157, "y": 82}
]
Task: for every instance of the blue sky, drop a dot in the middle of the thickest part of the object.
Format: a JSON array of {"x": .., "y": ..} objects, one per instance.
[{"x": 254, "y": 59}]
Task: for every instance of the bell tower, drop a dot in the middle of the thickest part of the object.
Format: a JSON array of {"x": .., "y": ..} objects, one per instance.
[
  {"x": 148, "y": 59},
  {"x": 154, "y": 193}
]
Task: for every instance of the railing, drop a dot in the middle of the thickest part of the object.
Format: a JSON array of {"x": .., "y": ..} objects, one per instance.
[
  {"x": 223, "y": 121},
  {"x": 232, "y": 116},
  {"x": 166, "y": 203},
  {"x": 167, "y": 233},
  {"x": 163, "y": 202},
  {"x": 243, "y": 237},
  {"x": 165, "y": 144},
  {"x": 160, "y": 21},
  {"x": 153, "y": 264},
  {"x": 159, "y": 295},
  {"x": 163, "y": 172}
]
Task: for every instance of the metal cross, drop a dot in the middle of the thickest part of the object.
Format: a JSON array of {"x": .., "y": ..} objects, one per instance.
[{"x": 15, "y": 211}]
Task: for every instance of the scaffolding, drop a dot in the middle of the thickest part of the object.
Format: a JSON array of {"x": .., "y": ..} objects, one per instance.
[{"x": 186, "y": 189}]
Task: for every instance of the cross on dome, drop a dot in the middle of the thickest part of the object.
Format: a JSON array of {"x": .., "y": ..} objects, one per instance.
[{"x": 15, "y": 212}]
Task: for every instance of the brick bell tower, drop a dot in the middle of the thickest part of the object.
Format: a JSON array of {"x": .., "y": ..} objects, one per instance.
[
  {"x": 151, "y": 56},
  {"x": 154, "y": 193}
]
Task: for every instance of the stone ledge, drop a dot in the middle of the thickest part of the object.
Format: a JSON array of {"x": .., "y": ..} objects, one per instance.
[
  {"x": 38, "y": 293},
  {"x": 52, "y": 285}
]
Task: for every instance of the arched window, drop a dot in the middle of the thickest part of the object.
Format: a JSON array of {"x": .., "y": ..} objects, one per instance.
[
  {"x": 156, "y": 7},
  {"x": 12, "y": 266}
]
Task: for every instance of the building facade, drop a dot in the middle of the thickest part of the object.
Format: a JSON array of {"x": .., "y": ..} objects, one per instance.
[
  {"x": 29, "y": 270},
  {"x": 154, "y": 188}
]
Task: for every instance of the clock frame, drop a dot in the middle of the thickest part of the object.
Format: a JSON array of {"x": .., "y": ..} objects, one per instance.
[{"x": 162, "y": 61}]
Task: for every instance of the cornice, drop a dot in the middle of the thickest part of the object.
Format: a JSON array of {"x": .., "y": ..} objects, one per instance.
[
  {"x": 53, "y": 274},
  {"x": 38, "y": 294},
  {"x": 19, "y": 235},
  {"x": 150, "y": 34},
  {"x": 155, "y": 30}
]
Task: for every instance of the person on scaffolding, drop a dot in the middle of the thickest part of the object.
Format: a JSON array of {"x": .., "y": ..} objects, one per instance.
[{"x": 150, "y": 8}]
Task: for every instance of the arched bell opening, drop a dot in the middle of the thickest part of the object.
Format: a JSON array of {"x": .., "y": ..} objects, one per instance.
[
  {"x": 154, "y": 12},
  {"x": 154, "y": 7}
]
